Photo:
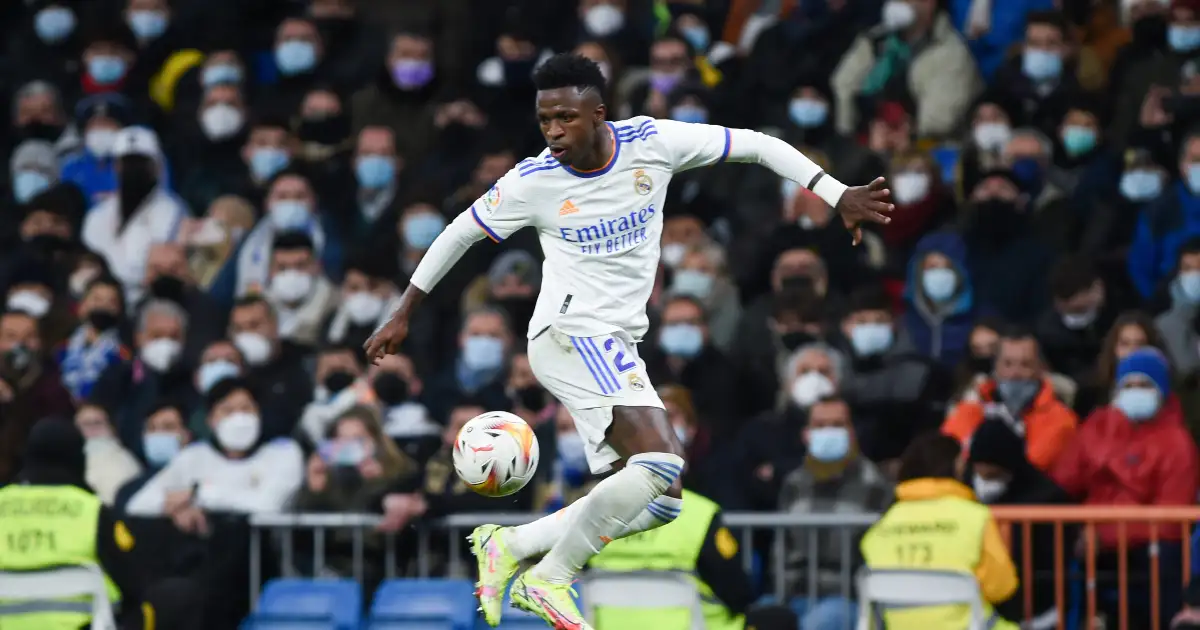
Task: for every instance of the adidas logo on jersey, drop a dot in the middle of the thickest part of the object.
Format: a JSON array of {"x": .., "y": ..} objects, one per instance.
[{"x": 567, "y": 208}]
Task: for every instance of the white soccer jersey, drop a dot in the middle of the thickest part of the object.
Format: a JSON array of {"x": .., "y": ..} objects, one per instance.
[{"x": 599, "y": 230}]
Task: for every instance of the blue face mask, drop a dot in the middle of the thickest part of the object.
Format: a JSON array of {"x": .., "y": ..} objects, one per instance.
[
  {"x": 939, "y": 283},
  {"x": 1183, "y": 38},
  {"x": 1041, "y": 65},
  {"x": 221, "y": 74},
  {"x": 106, "y": 69},
  {"x": 213, "y": 372},
  {"x": 148, "y": 24},
  {"x": 871, "y": 339},
  {"x": 829, "y": 444},
  {"x": 1193, "y": 178},
  {"x": 690, "y": 114},
  {"x": 1189, "y": 285},
  {"x": 1139, "y": 404},
  {"x": 1028, "y": 171},
  {"x": 808, "y": 112},
  {"x": 289, "y": 214},
  {"x": 681, "y": 340},
  {"x": 54, "y": 24},
  {"x": 696, "y": 36},
  {"x": 267, "y": 161},
  {"x": 374, "y": 171},
  {"x": 295, "y": 57},
  {"x": 1078, "y": 140},
  {"x": 160, "y": 447},
  {"x": 1141, "y": 185},
  {"x": 420, "y": 230},
  {"x": 27, "y": 184},
  {"x": 692, "y": 282},
  {"x": 483, "y": 353}
]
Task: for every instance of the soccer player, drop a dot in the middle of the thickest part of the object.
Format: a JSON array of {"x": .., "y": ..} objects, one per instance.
[{"x": 595, "y": 196}]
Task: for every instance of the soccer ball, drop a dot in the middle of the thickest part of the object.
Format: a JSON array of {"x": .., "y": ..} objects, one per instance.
[{"x": 496, "y": 454}]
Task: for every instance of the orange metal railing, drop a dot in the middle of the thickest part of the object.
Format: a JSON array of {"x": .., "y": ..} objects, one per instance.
[{"x": 1175, "y": 523}]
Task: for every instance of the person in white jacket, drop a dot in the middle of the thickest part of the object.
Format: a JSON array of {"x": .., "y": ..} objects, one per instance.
[
  {"x": 234, "y": 473},
  {"x": 109, "y": 465}
]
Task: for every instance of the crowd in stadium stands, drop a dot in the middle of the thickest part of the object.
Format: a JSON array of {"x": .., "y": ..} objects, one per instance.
[{"x": 208, "y": 206}]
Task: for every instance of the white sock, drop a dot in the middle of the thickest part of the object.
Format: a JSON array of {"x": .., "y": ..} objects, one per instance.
[
  {"x": 613, "y": 507},
  {"x": 536, "y": 538}
]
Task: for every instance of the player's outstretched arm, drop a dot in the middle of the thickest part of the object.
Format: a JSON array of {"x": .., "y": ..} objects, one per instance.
[{"x": 442, "y": 255}]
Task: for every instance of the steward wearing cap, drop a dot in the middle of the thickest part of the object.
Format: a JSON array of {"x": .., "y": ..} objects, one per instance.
[{"x": 51, "y": 519}]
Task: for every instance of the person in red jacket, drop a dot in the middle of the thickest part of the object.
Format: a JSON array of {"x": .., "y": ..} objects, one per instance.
[{"x": 1136, "y": 451}]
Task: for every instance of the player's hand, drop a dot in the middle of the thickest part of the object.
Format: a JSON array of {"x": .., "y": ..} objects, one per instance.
[
  {"x": 387, "y": 339},
  {"x": 865, "y": 203}
]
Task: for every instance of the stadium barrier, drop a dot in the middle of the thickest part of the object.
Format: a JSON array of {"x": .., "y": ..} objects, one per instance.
[{"x": 1077, "y": 565}]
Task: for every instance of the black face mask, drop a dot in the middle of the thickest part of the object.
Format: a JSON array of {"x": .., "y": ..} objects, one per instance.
[
  {"x": 16, "y": 362},
  {"x": 793, "y": 340},
  {"x": 137, "y": 178},
  {"x": 981, "y": 365},
  {"x": 997, "y": 221},
  {"x": 50, "y": 244},
  {"x": 1150, "y": 32},
  {"x": 327, "y": 131},
  {"x": 532, "y": 398},
  {"x": 102, "y": 320},
  {"x": 40, "y": 131},
  {"x": 796, "y": 283},
  {"x": 337, "y": 381},
  {"x": 169, "y": 288},
  {"x": 391, "y": 389}
]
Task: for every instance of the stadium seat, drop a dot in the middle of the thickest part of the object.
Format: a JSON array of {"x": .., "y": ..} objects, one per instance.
[
  {"x": 423, "y": 605},
  {"x": 301, "y": 604}
]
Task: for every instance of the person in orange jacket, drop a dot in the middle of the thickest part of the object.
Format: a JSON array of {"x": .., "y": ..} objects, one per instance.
[{"x": 1020, "y": 395}]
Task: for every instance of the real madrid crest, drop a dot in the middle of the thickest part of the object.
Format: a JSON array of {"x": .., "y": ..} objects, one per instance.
[
  {"x": 642, "y": 182},
  {"x": 635, "y": 382}
]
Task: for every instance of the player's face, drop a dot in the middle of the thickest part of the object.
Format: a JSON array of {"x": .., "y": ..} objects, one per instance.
[{"x": 569, "y": 122}]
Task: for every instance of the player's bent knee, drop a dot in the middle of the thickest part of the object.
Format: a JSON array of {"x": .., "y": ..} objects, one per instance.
[
  {"x": 676, "y": 489},
  {"x": 661, "y": 470},
  {"x": 665, "y": 509}
]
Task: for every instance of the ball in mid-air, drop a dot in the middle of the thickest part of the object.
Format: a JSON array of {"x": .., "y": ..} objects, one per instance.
[{"x": 496, "y": 454}]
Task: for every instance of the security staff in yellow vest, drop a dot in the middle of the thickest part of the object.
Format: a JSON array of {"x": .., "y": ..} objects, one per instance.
[
  {"x": 696, "y": 544},
  {"x": 49, "y": 519},
  {"x": 937, "y": 524}
]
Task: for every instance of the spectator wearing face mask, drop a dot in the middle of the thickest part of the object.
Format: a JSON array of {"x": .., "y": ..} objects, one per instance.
[
  {"x": 1021, "y": 396},
  {"x": 1148, "y": 458},
  {"x": 1113, "y": 218},
  {"x": 239, "y": 472},
  {"x": 1000, "y": 474},
  {"x": 703, "y": 275},
  {"x": 1165, "y": 224},
  {"x": 34, "y": 169},
  {"x": 608, "y": 21},
  {"x": 124, "y": 226},
  {"x": 685, "y": 355},
  {"x": 835, "y": 478},
  {"x": 672, "y": 65},
  {"x": 1045, "y": 74},
  {"x": 301, "y": 294},
  {"x": 45, "y": 231},
  {"x": 109, "y": 464},
  {"x": 1084, "y": 159},
  {"x": 941, "y": 299},
  {"x": 770, "y": 446},
  {"x": 165, "y": 435},
  {"x": 368, "y": 295},
  {"x": 341, "y": 383},
  {"x": 218, "y": 361},
  {"x": 353, "y": 467},
  {"x": 894, "y": 392},
  {"x": 939, "y": 75},
  {"x": 52, "y": 37},
  {"x": 922, "y": 203},
  {"x": 992, "y": 28},
  {"x": 1071, "y": 332},
  {"x": 30, "y": 387},
  {"x": 377, "y": 170},
  {"x": 989, "y": 130},
  {"x": 169, "y": 277},
  {"x": 39, "y": 115},
  {"x": 299, "y": 57},
  {"x": 273, "y": 366},
  {"x": 1131, "y": 330},
  {"x": 1140, "y": 81},
  {"x": 810, "y": 124},
  {"x": 478, "y": 371},
  {"x": 107, "y": 57},
  {"x": 96, "y": 343},
  {"x": 32, "y": 289},
  {"x": 209, "y": 156},
  {"x": 397, "y": 389},
  {"x": 405, "y": 89},
  {"x": 93, "y": 168},
  {"x": 270, "y": 148},
  {"x": 1177, "y": 326},
  {"x": 129, "y": 389}
]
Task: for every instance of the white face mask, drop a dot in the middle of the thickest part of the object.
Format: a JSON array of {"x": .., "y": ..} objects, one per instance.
[
  {"x": 238, "y": 431},
  {"x": 364, "y": 308},
  {"x": 603, "y": 20},
  {"x": 991, "y": 136},
  {"x": 161, "y": 354},
  {"x": 254, "y": 347},
  {"x": 291, "y": 286},
  {"x": 988, "y": 490},
  {"x": 672, "y": 254},
  {"x": 29, "y": 302},
  {"x": 99, "y": 142},
  {"x": 910, "y": 187},
  {"x": 221, "y": 121},
  {"x": 811, "y": 387},
  {"x": 898, "y": 15}
]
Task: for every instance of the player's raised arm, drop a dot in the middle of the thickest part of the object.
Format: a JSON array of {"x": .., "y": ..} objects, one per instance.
[
  {"x": 693, "y": 145},
  {"x": 493, "y": 216}
]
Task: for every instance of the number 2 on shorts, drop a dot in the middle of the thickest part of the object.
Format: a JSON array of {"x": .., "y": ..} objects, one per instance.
[{"x": 619, "y": 361}]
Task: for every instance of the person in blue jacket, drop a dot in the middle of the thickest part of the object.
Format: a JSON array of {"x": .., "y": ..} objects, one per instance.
[
  {"x": 939, "y": 298},
  {"x": 99, "y": 117},
  {"x": 1167, "y": 222}
]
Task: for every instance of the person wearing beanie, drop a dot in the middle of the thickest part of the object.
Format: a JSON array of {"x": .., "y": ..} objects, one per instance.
[
  {"x": 56, "y": 520},
  {"x": 1136, "y": 451}
]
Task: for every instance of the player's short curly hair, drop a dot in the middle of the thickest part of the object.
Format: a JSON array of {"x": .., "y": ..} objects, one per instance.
[{"x": 568, "y": 70}]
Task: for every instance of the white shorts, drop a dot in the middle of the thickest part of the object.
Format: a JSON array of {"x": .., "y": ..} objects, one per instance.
[{"x": 590, "y": 376}]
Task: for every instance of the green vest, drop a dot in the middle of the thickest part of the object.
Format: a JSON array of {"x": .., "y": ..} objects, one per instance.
[
  {"x": 944, "y": 533},
  {"x": 42, "y": 527},
  {"x": 672, "y": 547}
]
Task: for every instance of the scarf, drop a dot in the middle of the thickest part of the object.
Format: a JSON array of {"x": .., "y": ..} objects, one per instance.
[
  {"x": 895, "y": 55},
  {"x": 81, "y": 363}
]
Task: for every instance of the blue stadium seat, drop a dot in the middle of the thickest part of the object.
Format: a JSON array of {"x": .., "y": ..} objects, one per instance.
[
  {"x": 423, "y": 605},
  {"x": 299, "y": 604}
]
